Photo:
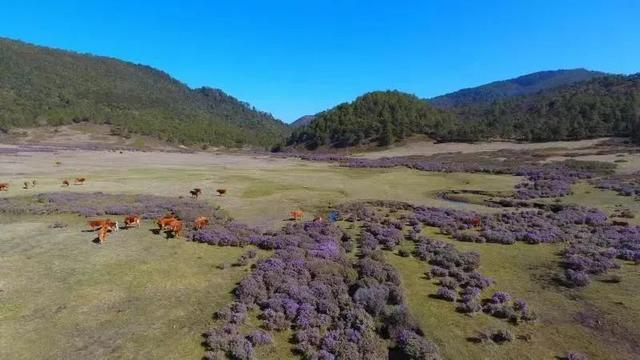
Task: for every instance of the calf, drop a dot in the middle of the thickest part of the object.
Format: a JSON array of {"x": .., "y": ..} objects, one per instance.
[
  {"x": 65, "y": 182},
  {"x": 200, "y": 222},
  {"x": 221, "y": 191},
  {"x": 4, "y": 186},
  {"x": 132, "y": 220},
  {"x": 80, "y": 181}
]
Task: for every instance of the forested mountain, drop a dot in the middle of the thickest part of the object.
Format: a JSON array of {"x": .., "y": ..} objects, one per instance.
[
  {"x": 603, "y": 106},
  {"x": 522, "y": 85},
  {"x": 303, "y": 120},
  {"x": 381, "y": 117},
  {"x": 41, "y": 86}
]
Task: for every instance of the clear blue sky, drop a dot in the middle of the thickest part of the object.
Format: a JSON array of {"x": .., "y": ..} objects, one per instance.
[{"x": 293, "y": 58}]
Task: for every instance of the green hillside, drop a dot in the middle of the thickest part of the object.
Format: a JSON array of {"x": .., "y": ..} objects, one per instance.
[
  {"x": 41, "y": 86},
  {"x": 604, "y": 106},
  {"x": 522, "y": 85},
  {"x": 381, "y": 117}
]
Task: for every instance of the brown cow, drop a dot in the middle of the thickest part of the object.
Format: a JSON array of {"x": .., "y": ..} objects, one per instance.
[
  {"x": 221, "y": 191},
  {"x": 200, "y": 222},
  {"x": 100, "y": 223},
  {"x": 165, "y": 221},
  {"x": 195, "y": 193},
  {"x": 4, "y": 186},
  {"x": 131, "y": 220},
  {"x": 174, "y": 227},
  {"x": 296, "y": 214},
  {"x": 65, "y": 182},
  {"x": 476, "y": 222},
  {"x": 79, "y": 181}
]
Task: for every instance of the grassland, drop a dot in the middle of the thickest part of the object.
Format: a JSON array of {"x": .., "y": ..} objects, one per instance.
[
  {"x": 142, "y": 296},
  {"x": 526, "y": 271}
]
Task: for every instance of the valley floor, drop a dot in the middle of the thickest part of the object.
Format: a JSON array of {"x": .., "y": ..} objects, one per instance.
[{"x": 143, "y": 296}]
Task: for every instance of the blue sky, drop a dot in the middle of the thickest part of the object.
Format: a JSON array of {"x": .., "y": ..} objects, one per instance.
[{"x": 293, "y": 58}]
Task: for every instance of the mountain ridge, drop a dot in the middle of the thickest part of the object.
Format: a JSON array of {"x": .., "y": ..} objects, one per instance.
[{"x": 520, "y": 85}]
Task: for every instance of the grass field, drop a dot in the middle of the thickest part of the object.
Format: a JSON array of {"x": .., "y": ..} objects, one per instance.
[
  {"x": 143, "y": 296},
  {"x": 525, "y": 271}
]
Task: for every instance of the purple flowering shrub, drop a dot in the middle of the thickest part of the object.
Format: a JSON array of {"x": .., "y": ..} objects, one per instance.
[
  {"x": 572, "y": 355},
  {"x": 310, "y": 286},
  {"x": 259, "y": 338},
  {"x": 623, "y": 184},
  {"x": 543, "y": 180}
]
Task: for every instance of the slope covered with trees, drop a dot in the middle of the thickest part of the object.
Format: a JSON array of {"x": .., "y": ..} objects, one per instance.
[
  {"x": 381, "y": 117},
  {"x": 604, "y": 106},
  {"x": 522, "y": 85},
  {"x": 41, "y": 86}
]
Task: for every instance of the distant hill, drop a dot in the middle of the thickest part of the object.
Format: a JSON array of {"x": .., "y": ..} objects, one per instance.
[
  {"x": 522, "y": 85},
  {"x": 602, "y": 106},
  {"x": 40, "y": 86},
  {"x": 380, "y": 117},
  {"x": 303, "y": 120}
]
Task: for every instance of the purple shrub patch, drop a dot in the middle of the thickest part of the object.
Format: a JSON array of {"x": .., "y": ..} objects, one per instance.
[
  {"x": 311, "y": 287},
  {"x": 500, "y": 297},
  {"x": 259, "y": 337},
  {"x": 446, "y": 294},
  {"x": 100, "y": 204}
]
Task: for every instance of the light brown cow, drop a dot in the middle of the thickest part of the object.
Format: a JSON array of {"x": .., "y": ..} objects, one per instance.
[
  {"x": 4, "y": 186},
  {"x": 79, "y": 181},
  {"x": 26, "y": 185},
  {"x": 200, "y": 222},
  {"x": 296, "y": 214},
  {"x": 103, "y": 233},
  {"x": 174, "y": 227},
  {"x": 221, "y": 191},
  {"x": 65, "y": 182},
  {"x": 131, "y": 220},
  {"x": 195, "y": 193}
]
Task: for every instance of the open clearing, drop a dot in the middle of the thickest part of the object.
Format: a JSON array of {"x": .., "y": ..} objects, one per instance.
[{"x": 143, "y": 296}]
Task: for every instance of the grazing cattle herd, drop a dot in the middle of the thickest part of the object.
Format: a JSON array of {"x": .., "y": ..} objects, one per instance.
[{"x": 170, "y": 223}]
